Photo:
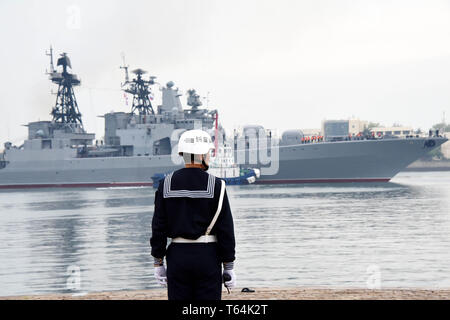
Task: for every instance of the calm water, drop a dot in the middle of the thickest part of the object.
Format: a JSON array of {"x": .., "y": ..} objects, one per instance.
[{"x": 393, "y": 234}]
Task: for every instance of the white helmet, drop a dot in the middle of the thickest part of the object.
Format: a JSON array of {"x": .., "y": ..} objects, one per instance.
[{"x": 195, "y": 142}]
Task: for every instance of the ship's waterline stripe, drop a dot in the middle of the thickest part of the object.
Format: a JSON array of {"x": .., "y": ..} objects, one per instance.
[
  {"x": 147, "y": 184},
  {"x": 321, "y": 180},
  {"x": 77, "y": 185}
]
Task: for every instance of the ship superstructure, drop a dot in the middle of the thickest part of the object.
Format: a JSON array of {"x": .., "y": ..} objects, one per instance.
[
  {"x": 144, "y": 132},
  {"x": 64, "y": 136}
]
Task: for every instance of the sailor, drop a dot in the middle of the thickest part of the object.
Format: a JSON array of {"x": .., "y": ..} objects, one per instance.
[{"x": 192, "y": 208}]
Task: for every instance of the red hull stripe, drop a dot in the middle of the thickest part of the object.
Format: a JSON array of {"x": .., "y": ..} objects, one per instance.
[
  {"x": 284, "y": 181},
  {"x": 77, "y": 185},
  {"x": 148, "y": 184}
]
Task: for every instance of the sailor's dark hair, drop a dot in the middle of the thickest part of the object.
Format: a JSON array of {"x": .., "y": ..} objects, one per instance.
[{"x": 192, "y": 156}]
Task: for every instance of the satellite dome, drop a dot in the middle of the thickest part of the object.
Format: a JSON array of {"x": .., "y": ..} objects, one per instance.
[
  {"x": 170, "y": 84},
  {"x": 292, "y": 137},
  {"x": 40, "y": 133}
]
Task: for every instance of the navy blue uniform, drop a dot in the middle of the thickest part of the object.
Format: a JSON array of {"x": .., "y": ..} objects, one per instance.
[{"x": 185, "y": 204}]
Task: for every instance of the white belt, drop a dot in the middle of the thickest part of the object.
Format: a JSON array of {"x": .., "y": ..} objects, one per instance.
[{"x": 202, "y": 239}]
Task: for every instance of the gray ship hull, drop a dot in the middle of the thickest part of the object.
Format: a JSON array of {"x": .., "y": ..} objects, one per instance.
[
  {"x": 347, "y": 161},
  {"x": 93, "y": 172}
]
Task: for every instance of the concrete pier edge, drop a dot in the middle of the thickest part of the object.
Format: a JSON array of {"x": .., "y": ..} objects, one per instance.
[{"x": 288, "y": 293}]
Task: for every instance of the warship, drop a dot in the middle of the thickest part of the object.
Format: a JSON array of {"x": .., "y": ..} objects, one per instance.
[{"x": 141, "y": 143}]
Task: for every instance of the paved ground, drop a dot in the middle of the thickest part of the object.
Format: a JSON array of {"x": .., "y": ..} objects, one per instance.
[{"x": 263, "y": 294}]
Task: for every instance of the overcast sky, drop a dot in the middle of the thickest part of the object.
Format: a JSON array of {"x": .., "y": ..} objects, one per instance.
[{"x": 282, "y": 64}]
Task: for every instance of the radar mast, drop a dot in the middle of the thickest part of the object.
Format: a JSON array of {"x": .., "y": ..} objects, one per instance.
[
  {"x": 66, "y": 107},
  {"x": 140, "y": 89},
  {"x": 193, "y": 99}
]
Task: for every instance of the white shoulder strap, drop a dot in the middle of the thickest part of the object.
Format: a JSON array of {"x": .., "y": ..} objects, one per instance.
[{"x": 219, "y": 208}]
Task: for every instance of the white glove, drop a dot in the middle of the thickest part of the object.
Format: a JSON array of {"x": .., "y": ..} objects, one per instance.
[
  {"x": 231, "y": 283},
  {"x": 161, "y": 276}
]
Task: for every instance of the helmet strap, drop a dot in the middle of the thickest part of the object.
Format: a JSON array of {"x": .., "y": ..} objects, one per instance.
[{"x": 205, "y": 166}]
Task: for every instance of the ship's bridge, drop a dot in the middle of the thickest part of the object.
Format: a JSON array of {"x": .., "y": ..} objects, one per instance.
[{"x": 56, "y": 133}]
